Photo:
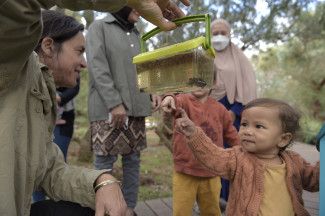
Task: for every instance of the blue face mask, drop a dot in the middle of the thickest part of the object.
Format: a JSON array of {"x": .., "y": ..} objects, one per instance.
[{"x": 220, "y": 42}]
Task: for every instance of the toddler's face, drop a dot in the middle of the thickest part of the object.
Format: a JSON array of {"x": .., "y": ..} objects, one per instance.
[
  {"x": 199, "y": 92},
  {"x": 261, "y": 131}
]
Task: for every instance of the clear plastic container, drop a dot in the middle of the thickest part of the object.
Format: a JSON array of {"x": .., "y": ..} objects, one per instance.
[{"x": 179, "y": 67}]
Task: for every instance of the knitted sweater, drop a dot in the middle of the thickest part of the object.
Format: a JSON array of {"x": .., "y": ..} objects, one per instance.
[
  {"x": 215, "y": 121},
  {"x": 246, "y": 174}
]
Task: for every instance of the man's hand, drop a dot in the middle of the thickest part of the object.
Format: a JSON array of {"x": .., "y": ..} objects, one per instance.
[
  {"x": 184, "y": 125},
  {"x": 168, "y": 104},
  {"x": 156, "y": 101},
  {"x": 158, "y": 12},
  {"x": 118, "y": 116},
  {"x": 109, "y": 198}
]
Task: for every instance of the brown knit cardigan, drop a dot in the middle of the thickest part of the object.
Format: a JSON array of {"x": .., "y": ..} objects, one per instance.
[{"x": 246, "y": 174}]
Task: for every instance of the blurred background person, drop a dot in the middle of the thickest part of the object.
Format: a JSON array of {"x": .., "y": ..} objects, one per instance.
[
  {"x": 63, "y": 131},
  {"x": 235, "y": 81}
]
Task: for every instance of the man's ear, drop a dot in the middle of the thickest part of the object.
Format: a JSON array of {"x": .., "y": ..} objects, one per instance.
[
  {"x": 47, "y": 46},
  {"x": 285, "y": 140}
]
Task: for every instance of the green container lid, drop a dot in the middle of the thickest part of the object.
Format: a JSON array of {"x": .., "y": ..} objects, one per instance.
[{"x": 164, "y": 52}]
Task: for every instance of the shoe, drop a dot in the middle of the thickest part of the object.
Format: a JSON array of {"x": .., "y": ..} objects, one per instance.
[
  {"x": 223, "y": 205},
  {"x": 131, "y": 212}
]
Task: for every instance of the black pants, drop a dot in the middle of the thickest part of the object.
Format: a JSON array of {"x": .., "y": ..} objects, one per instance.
[{"x": 61, "y": 208}]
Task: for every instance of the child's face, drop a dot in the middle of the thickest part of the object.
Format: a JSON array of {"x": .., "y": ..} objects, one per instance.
[
  {"x": 261, "y": 131},
  {"x": 199, "y": 92}
]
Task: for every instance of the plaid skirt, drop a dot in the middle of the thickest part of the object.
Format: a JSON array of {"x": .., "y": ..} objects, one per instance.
[{"x": 107, "y": 140}]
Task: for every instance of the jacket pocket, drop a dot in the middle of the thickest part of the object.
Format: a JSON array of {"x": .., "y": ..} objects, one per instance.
[{"x": 44, "y": 104}]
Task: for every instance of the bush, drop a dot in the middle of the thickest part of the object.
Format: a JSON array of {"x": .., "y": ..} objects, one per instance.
[{"x": 309, "y": 128}]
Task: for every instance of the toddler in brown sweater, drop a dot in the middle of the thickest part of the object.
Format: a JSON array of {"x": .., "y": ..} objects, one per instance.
[{"x": 266, "y": 179}]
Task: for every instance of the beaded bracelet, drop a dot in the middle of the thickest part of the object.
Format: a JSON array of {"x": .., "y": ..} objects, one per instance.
[{"x": 103, "y": 183}]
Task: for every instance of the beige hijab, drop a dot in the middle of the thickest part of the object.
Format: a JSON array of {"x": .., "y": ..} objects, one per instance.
[{"x": 235, "y": 76}]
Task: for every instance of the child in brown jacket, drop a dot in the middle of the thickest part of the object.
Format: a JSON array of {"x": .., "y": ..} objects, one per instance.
[{"x": 265, "y": 178}]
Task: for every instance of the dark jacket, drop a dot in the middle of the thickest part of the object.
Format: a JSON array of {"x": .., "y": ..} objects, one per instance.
[{"x": 67, "y": 103}]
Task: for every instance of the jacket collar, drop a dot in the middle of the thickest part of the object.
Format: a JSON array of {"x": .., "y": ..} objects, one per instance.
[
  {"x": 42, "y": 66},
  {"x": 111, "y": 19}
]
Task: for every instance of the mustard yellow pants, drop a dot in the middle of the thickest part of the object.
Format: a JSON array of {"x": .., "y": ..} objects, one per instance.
[{"x": 187, "y": 189}]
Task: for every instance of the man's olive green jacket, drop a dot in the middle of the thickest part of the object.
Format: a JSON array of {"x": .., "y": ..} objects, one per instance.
[{"x": 29, "y": 159}]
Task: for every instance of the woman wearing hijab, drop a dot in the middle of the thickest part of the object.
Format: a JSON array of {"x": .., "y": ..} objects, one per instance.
[
  {"x": 117, "y": 109},
  {"x": 235, "y": 82}
]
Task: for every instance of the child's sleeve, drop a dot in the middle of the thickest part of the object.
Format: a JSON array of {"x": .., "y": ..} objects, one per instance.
[
  {"x": 218, "y": 160},
  {"x": 230, "y": 133},
  {"x": 180, "y": 101},
  {"x": 310, "y": 176}
]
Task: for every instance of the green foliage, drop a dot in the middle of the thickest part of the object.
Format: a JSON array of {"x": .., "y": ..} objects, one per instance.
[
  {"x": 89, "y": 16},
  {"x": 311, "y": 24},
  {"x": 295, "y": 71},
  {"x": 250, "y": 24},
  {"x": 156, "y": 170},
  {"x": 309, "y": 128}
]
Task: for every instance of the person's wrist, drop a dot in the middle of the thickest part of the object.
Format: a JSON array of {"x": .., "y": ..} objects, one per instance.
[
  {"x": 103, "y": 180},
  {"x": 104, "y": 183},
  {"x": 103, "y": 177}
]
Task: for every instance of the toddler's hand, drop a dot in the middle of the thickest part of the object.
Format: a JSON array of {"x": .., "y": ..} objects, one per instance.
[
  {"x": 168, "y": 104},
  {"x": 183, "y": 124}
]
